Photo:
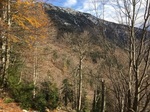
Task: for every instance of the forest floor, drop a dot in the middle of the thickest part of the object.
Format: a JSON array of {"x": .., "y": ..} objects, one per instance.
[
  {"x": 9, "y": 107},
  {"x": 14, "y": 107}
]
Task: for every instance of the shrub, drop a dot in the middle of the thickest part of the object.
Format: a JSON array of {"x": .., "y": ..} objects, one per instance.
[
  {"x": 39, "y": 103},
  {"x": 8, "y": 100},
  {"x": 20, "y": 90},
  {"x": 47, "y": 97}
]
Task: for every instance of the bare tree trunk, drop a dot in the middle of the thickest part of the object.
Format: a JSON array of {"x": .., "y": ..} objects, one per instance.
[
  {"x": 122, "y": 104},
  {"x": 138, "y": 53},
  {"x": 75, "y": 95},
  {"x": 35, "y": 71},
  {"x": 94, "y": 102},
  {"x": 103, "y": 96},
  {"x": 80, "y": 85},
  {"x": 5, "y": 42}
]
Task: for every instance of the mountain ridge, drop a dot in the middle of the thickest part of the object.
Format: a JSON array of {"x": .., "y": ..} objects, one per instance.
[{"x": 70, "y": 20}]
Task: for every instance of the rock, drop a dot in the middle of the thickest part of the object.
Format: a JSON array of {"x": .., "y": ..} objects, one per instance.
[{"x": 25, "y": 110}]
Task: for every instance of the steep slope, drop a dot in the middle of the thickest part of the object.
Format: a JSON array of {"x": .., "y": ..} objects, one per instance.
[
  {"x": 56, "y": 60},
  {"x": 69, "y": 20}
]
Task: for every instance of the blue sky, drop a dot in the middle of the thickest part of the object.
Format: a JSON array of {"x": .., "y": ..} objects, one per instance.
[
  {"x": 67, "y": 3},
  {"x": 86, "y": 6},
  {"x": 81, "y": 5}
]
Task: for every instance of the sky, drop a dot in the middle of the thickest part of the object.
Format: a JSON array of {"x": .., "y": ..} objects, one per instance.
[
  {"x": 106, "y": 6},
  {"x": 87, "y": 6}
]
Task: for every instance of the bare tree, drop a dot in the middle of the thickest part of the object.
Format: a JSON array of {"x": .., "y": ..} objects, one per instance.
[
  {"x": 132, "y": 89},
  {"x": 99, "y": 99},
  {"x": 135, "y": 84},
  {"x": 5, "y": 48},
  {"x": 81, "y": 45},
  {"x": 24, "y": 22}
]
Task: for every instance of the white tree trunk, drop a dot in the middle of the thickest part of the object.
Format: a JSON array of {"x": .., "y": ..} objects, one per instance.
[
  {"x": 5, "y": 42},
  {"x": 80, "y": 85}
]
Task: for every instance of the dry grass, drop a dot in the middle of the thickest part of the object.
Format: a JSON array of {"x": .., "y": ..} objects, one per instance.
[{"x": 9, "y": 107}]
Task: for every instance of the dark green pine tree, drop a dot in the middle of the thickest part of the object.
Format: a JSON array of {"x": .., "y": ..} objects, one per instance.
[{"x": 67, "y": 92}]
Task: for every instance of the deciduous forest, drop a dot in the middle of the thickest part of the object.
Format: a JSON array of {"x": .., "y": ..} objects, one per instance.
[{"x": 47, "y": 64}]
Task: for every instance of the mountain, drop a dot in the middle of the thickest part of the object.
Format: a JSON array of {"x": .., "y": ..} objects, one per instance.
[
  {"x": 69, "y": 20},
  {"x": 82, "y": 62},
  {"x": 59, "y": 59}
]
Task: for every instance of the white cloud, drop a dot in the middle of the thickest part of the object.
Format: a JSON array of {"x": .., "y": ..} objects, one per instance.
[
  {"x": 70, "y": 3},
  {"x": 95, "y": 7},
  {"x": 111, "y": 10},
  {"x": 88, "y": 6}
]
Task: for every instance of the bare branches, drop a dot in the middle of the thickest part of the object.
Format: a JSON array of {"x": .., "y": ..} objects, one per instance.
[{"x": 137, "y": 79}]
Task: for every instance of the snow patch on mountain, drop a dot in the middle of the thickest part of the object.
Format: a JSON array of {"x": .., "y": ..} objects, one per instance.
[{"x": 91, "y": 18}]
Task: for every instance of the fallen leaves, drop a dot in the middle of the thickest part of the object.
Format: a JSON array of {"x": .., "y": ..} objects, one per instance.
[{"x": 9, "y": 107}]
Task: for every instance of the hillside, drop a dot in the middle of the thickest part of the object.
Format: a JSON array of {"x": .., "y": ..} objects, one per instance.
[
  {"x": 75, "y": 62},
  {"x": 69, "y": 20}
]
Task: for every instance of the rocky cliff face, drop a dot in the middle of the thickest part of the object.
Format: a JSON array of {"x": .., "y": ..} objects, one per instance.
[{"x": 69, "y": 20}]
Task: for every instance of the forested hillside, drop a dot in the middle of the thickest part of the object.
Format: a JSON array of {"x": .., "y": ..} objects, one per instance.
[{"x": 58, "y": 59}]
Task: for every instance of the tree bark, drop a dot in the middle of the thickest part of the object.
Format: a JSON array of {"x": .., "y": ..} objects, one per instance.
[
  {"x": 5, "y": 43},
  {"x": 35, "y": 71},
  {"x": 103, "y": 96},
  {"x": 80, "y": 85}
]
